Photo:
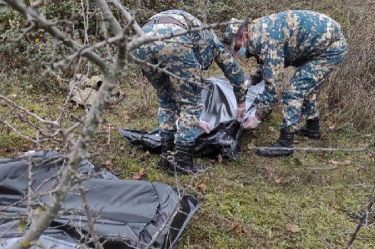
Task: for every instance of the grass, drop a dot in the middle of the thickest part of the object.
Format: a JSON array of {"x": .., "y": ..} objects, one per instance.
[
  {"x": 253, "y": 203},
  {"x": 304, "y": 201}
]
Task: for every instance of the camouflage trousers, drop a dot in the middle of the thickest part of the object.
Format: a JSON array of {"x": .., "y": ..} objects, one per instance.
[
  {"x": 179, "y": 97},
  {"x": 299, "y": 99}
]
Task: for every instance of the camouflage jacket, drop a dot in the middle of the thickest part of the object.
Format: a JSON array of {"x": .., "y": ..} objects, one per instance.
[
  {"x": 289, "y": 38},
  {"x": 207, "y": 47}
]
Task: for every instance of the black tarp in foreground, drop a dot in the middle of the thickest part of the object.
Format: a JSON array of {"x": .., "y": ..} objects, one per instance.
[
  {"x": 219, "y": 112},
  {"x": 130, "y": 213}
]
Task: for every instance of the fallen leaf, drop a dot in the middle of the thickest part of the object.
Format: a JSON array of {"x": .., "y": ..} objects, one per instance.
[
  {"x": 331, "y": 127},
  {"x": 145, "y": 155},
  {"x": 202, "y": 186},
  {"x": 346, "y": 162},
  {"x": 234, "y": 226},
  {"x": 109, "y": 163},
  {"x": 271, "y": 128},
  {"x": 136, "y": 176},
  {"x": 292, "y": 228},
  {"x": 278, "y": 180}
]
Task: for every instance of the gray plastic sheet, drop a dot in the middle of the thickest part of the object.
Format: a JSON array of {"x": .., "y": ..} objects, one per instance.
[{"x": 129, "y": 212}]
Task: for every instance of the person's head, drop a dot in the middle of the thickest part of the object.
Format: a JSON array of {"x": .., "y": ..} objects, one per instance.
[{"x": 236, "y": 36}]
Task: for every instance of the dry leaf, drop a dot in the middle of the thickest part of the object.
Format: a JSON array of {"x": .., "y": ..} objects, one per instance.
[
  {"x": 202, "y": 186},
  {"x": 271, "y": 128},
  {"x": 278, "y": 180},
  {"x": 292, "y": 228},
  {"x": 346, "y": 162},
  {"x": 145, "y": 155},
  {"x": 109, "y": 163},
  {"x": 331, "y": 127},
  {"x": 136, "y": 176},
  {"x": 140, "y": 175},
  {"x": 234, "y": 226}
]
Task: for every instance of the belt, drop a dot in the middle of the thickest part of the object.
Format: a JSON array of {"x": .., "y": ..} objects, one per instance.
[{"x": 164, "y": 19}]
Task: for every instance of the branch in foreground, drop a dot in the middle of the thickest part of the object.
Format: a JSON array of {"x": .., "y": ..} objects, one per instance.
[
  {"x": 157, "y": 67},
  {"x": 360, "y": 224},
  {"x": 90, "y": 219},
  {"x": 312, "y": 149},
  {"x": 54, "y": 123}
]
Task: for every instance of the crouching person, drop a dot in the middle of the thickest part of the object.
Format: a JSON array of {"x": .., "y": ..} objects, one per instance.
[
  {"x": 174, "y": 67},
  {"x": 309, "y": 41}
]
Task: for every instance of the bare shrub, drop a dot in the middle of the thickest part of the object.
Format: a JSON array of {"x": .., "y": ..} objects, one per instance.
[{"x": 350, "y": 89}]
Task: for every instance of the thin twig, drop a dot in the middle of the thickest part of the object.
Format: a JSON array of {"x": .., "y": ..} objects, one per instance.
[
  {"x": 90, "y": 220},
  {"x": 311, "y": 149},
  {"x": 360, "y": 224},
  {"x": 54, "y": 123}
]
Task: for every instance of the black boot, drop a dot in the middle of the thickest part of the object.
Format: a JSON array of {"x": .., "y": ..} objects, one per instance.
[
  {"x": 183, "y": 160},
  {"x": 286, "y": 141},
  {"x": 311, "y": 129},
  {"x": 167, "y": 147}
]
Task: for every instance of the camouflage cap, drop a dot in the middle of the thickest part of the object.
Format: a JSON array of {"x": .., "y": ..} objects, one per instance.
[{"x": 231, "y": 31}]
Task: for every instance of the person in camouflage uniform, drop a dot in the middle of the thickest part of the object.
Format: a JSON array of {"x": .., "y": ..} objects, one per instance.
[
  {"x": 309, "y": 41},
  {"x": 184, "y": 56}
]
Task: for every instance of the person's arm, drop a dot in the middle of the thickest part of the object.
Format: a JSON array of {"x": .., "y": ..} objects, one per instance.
[{"x": 231, "y": 70}]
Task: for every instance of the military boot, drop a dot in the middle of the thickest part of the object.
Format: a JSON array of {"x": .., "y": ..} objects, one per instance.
[
  {"x": 167, "y": 147},
  {"x": 282, "y": 147},
  {"x": 311, "y": 129},
  {"x": 183, "y": 160}
]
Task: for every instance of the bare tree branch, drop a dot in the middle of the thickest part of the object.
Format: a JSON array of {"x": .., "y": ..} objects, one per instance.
[
  {"x": 108, "y": 16},
  {"x": 312, "y": 149},
  {"x": 360, "y": 223},
  {"x": 54, "y": 123},
  {"x": 90, "y": 220},
  {"x": 157, "y": 67},
  {"x": 128, "y": 17}
]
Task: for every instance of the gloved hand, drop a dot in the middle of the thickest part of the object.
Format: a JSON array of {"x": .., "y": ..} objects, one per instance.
[
  {"x": 204, "y": 126},
  {"x": 252, "y": 122},
  {"x": 240, "y": 111}
]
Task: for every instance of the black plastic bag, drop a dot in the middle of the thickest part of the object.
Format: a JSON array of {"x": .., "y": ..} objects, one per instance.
[{"x": 219, "y": 112}]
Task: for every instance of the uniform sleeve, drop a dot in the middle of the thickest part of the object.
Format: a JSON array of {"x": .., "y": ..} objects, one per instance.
[
  {"x": 272, "y": 74},
  {"x": 231, "y": 69}
]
